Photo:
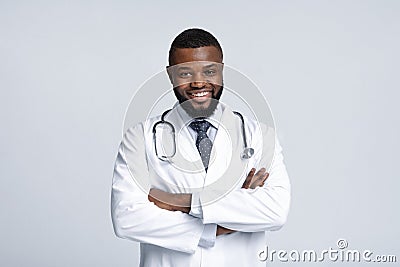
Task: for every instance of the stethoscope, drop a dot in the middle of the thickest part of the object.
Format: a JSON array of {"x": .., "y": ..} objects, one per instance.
[{"x": 247, "y": 153}]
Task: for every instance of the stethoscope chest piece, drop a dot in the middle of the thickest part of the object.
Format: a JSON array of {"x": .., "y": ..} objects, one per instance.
[{"x": 247, "y": 153}]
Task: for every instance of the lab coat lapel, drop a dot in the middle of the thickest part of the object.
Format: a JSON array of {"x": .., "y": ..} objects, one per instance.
[
  {"x": 187, "y": 156},
  {"x": 225, "y": 146}
]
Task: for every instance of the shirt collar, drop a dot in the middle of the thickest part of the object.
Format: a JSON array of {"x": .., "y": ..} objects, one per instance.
[{"x": 214, "y": 119}]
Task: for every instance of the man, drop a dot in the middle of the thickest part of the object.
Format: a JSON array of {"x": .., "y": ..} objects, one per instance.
[{"x": 204, "y": 205}]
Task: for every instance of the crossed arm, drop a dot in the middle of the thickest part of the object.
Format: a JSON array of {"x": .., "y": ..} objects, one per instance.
[
  {"x": 182, "y": 202},
  {"x": 136, "y": 218}
]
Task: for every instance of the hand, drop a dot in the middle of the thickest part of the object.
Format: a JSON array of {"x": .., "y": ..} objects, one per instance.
[
  {"x": 160, "y": 198},
  {"x": 223, "y": 231},
  {"x": 255, "y": 179},
  {"x": 169, "y": 201}
]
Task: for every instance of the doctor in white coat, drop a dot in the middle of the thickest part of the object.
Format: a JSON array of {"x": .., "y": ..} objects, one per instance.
[{"x": 205, "y": 205}]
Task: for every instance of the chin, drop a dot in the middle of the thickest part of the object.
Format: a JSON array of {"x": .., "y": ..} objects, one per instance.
[
  {"x": 201, "y": 106},
  {"x": 200, "y": 110}
]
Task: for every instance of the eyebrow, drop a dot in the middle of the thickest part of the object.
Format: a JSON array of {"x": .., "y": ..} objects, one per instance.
[
  {"x": 209, "y": 66},
  {"x": 184, "y": 68},
  {"x": 204, "y": 67}
]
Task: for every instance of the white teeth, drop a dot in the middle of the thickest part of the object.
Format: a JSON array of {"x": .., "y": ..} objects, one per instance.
[{"x": 200, "y": 94}]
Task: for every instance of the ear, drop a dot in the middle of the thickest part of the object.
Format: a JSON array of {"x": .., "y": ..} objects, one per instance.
[{"x": 170, "y": 76}]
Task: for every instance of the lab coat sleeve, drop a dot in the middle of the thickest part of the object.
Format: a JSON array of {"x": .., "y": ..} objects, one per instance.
[
  {"x": 135, "y": 217},
  {"x": 260, "y": 209},
  {"x": 195, "y": 206},
  {"x": 207, "y": 239}
]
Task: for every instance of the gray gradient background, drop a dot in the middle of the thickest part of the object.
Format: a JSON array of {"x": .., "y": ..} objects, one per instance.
[{"x": 330, "y": 70}]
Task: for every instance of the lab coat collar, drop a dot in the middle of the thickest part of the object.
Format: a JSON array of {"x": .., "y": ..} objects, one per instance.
[{"x": 214, "y": 119}]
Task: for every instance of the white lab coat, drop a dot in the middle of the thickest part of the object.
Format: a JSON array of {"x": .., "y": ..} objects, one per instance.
[{"x": 170, "y": 238}]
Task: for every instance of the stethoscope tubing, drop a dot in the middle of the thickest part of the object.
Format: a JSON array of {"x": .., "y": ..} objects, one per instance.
[{"x": 247, "y": 152}]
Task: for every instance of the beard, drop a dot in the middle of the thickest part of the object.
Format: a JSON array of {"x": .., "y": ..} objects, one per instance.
[{"x": 199, "y": 112}]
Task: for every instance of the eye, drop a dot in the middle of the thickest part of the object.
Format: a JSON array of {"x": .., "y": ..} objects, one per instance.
[
  {"x": 210, "y": 72},
  {"x": 184, "y": 74}
]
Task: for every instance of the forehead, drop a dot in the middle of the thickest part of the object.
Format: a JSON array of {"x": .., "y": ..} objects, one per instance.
[{"x": 206, "y": 53}]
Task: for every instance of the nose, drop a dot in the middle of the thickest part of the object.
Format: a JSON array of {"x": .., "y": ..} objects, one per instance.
[
  {"x": 197, "y": 84},
  {"x": 197, "y": 81}
]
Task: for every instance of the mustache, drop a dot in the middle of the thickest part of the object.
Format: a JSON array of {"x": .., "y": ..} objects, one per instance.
[
  {"x": 199, "y": 113},
  {"x": 182, "y": 99}
]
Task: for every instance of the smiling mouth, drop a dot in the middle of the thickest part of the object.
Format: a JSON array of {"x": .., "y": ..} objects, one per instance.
[
  {"x": 200, "y": 94},
  {"x": 200, "y": 97}
]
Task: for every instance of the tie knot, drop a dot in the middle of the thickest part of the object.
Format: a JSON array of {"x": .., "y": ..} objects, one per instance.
[{"x": 200, "y": 125}]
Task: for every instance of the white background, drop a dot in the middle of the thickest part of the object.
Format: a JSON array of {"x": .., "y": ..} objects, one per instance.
[{"x": 330, "y": 70}]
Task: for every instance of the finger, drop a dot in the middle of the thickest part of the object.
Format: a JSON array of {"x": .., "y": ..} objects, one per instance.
[
  {"x": 259, "y": 178},
  {"x": 150, "y": 198},
  {"x": 261, "y": 181},
  {"x": 264, "y": 177},
  {"x": 249, "y": 178},
  {"x": 154, "y": 200},
  {"x": 259, "y": 174}
]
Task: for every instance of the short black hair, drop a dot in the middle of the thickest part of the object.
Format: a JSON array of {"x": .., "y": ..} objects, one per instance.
[{"x": 193, "y": 38}]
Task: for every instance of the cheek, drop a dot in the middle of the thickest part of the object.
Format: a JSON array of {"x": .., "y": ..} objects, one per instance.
[{"x": 181, "y": 89}]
